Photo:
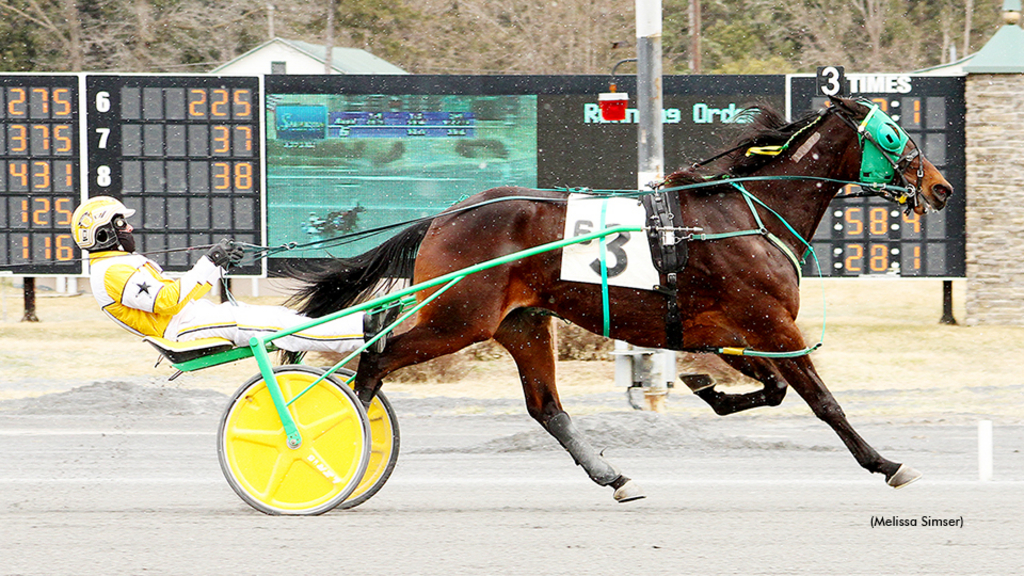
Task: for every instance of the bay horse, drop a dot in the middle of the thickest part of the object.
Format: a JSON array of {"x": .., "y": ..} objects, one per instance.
[{"x": 735, "y": 293}]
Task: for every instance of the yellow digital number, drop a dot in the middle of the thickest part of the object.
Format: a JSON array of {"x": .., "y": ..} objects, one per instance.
[
  {"x": 854, "y": 258},
  {"x": 43, "y": 131},
  {"x": 878, "y": 221},
  {"x": 41, "y": 175},
  {"x": 219, "y": 103},
  {"x": 61, "y": 102},
  {"x": 64, "y": 208},
  {"x": 17, "y": 99},
  {"x": 17, "y": 135},
  {"x": 222, "y": 176},
  {"x": 854, "y": 221},
  {"x": 45, "y": 98},
  {"x": 914, "y": 219},
  {"x": 879, "y": 261},
  {"x": 65, "y": 247},
  {"x": 243, "y": 176},
  {"x": 197, "y": 103},
  {"x": 62, "y": 136},
  {"x": 41, "y": 211},
  {"x": 241, "y": 99},
  {"x": 246, "y": 136}
]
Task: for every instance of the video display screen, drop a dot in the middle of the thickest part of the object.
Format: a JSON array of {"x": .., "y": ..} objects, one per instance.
[
  {"x": 342, "y": 163},
  {"x": 347, "y": 154}
]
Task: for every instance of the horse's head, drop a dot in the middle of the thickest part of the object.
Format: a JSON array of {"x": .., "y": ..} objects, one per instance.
[{"x": 889, "y": 156}]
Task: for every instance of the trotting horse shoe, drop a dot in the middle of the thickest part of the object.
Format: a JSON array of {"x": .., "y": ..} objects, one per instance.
[
  {"x": 904, "y": 475},
  {"x": 628, "y": 492}
]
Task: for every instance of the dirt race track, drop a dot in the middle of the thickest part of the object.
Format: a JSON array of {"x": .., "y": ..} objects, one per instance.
[{"x": 113, "y": 479}]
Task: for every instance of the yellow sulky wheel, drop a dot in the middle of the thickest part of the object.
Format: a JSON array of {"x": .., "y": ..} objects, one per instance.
[
  {"x": 316, "y": 476},
  {"x": 383, "y": 451}
]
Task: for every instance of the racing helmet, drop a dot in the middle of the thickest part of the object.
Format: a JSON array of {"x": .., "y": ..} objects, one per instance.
[{"x": 93, "y": 224}]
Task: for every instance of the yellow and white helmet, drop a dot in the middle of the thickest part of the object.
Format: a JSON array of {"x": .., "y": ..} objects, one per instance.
[{"x": 91, "y": 223}]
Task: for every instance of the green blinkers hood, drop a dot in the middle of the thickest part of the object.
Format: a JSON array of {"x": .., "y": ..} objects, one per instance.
[{"x": 883, "y": 149}]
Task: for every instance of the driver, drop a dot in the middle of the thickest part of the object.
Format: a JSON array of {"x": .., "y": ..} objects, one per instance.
[{"x": 133, "y": 291}]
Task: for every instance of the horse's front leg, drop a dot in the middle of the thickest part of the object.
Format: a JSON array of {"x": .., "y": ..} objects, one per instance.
[
  {"x": 801, "y": 375},
  {"x": 527, "y": 335}
]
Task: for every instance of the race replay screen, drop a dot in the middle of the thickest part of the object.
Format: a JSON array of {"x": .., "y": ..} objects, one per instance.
[{"x": 349, "y": 153}]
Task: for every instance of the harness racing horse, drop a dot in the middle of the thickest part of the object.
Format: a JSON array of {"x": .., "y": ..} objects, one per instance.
[{"x": 737, "y": 294}]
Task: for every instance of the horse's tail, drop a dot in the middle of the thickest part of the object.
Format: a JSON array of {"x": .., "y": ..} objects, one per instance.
[{"x": 344, "y": 281}]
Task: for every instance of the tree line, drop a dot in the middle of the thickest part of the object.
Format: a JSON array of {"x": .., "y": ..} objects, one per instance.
[{"x": 496, "y": 36}]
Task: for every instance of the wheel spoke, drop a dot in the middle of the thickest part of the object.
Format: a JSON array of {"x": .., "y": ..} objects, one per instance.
[
  {"x": 324, "y": 425},
  {"x": 277, "y": 475},
  {"x": 271, "y": 438}
]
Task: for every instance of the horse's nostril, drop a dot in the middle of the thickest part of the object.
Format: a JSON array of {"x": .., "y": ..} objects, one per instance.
[{"x": 941, "y": 191}]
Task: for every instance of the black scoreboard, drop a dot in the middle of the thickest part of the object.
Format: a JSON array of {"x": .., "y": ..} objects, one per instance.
[
  {"x": 872, "y": 236},
  {"x": 40, "y": 164},
  {"x": 184, "y": 152},
  {"x": 281, "y": 159}
]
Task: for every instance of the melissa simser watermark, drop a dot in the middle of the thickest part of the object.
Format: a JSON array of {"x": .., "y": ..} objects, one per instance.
[{"x": 917, "y": 522}]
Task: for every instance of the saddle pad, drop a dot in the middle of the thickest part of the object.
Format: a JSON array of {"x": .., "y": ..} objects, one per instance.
[{"x": 628, "y": 254}]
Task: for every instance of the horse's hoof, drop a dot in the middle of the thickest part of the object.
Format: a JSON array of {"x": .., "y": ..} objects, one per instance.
[
  {"x": 904, "y": 475},
  {"x": 628, "y": 492}
]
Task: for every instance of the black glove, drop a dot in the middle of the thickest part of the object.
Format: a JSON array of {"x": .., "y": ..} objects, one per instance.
[{"x": 226, "y": 254}]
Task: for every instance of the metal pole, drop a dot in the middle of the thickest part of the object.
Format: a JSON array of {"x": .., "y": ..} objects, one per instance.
[
  {"x": 650, "y": 140},
  {"x": 947, "y": 303},
  {"x": 29, "y": 290},
  {"x": 651, "y": 151}
]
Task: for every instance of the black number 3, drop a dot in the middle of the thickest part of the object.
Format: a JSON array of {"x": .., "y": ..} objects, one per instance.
[{"x": 615, "y": 248}]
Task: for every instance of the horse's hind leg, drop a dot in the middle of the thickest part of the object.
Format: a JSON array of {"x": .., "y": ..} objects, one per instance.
[{"x": 527, "y": 335}]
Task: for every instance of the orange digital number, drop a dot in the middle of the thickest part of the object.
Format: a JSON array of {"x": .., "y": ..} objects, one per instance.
[
  {"x": 246, "y": 135},
  {"x": 241, "y": 99},
  {"x": 41, "y": 211},
  {"x": 197, "y": 102},
  {"x": 45, "y": 100},
  {"x": 916, "y": 257},
  {"x": 883, "y": 103},
  {"x": 220, "y": 103},
  {"x": 854, "y": 221},
  {"x": 44, "y": 133},
  {"x": 854, "y": 258},
  {"x": 62, "y": 136},
  {"x": 26, "y": 248},
  {"x": 879, "y": 261},
  {"x": 878, "y": 221},
  {"x": 222, "y": 176},
  {"x": 41, "y": 175},
  {"x": 221, "y": 139},
  {"x": 243, "y": 176},
  {"x": 64, "y": 208},
  {"x": 17, "y": 135},
  {"x": 69, "y": 177},
  {"x": 65, "y": 247},
  {"x": 914, "y": 219},
  {"x": 61, "y": 102},
  {"x": 17, "y": 100},
  {"x": 19, "y": 170}
]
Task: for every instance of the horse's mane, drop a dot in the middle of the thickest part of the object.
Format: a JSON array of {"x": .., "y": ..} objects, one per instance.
[{"x": 766, "y": 127}]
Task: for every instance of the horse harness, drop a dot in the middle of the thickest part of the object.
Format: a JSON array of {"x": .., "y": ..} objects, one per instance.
[{"x": 881, "y": 164}]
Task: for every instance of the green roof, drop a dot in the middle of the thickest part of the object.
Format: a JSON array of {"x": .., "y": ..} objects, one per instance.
[{"x": 1003, "y": 54}]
